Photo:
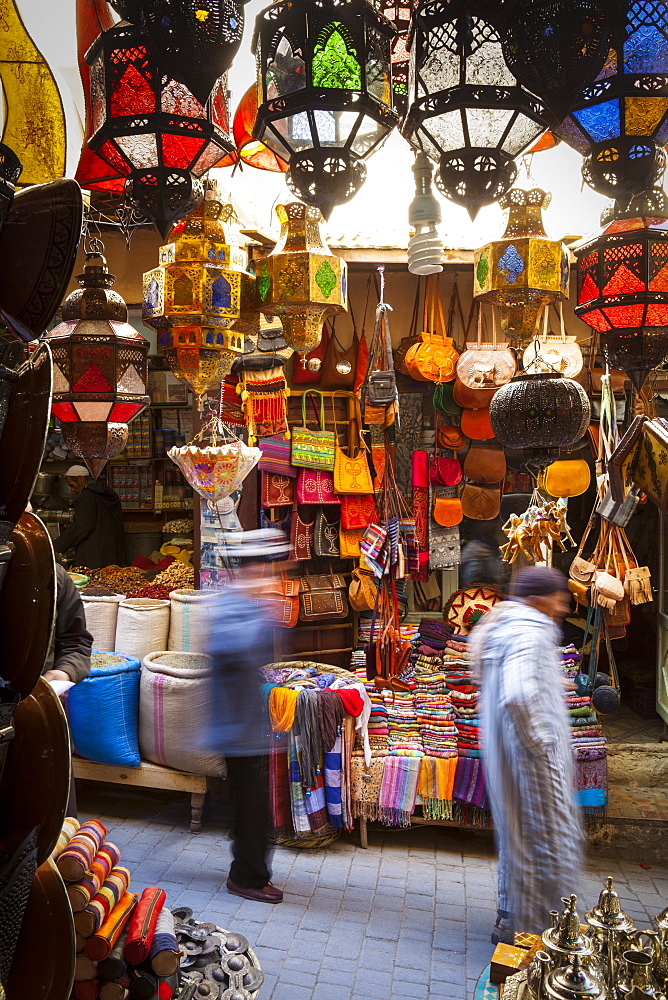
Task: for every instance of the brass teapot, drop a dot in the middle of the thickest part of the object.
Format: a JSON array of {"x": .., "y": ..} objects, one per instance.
[{"x": 564, "y": 938}]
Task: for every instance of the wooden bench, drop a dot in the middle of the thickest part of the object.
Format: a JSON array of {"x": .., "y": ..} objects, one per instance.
[{"x": 149, "y": 776}]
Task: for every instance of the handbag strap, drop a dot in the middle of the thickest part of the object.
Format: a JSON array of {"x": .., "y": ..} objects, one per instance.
[
  {"x": 614, "y": 676},
  {"x": 456, "y": 304},
  {"x": 593, "y": 623},
  {"x": 314, "y": 392}
]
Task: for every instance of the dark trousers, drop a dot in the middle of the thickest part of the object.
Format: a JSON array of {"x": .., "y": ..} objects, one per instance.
[{"x": 248, "y": 783}]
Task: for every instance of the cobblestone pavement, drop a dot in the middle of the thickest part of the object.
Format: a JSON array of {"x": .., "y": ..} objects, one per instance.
[{"x": 409, "y": 917}]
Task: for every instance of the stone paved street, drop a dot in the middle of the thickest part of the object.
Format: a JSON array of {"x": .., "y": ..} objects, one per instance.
[{"x": 409, "y": 917}]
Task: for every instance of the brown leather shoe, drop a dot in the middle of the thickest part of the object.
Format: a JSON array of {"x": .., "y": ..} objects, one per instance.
[{"x": 269, "y": 894}]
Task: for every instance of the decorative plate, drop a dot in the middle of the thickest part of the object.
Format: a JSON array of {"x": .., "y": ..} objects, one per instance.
[{"x": 466, "y": 607}]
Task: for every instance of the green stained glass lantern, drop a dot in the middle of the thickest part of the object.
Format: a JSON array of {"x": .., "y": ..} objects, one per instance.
[
  {"x": 301, "y": 281},
  {"x": 620, "y": 122},
  {"x": 325, "y": 100},
  {"x": 523, "y": 271},
  {"x": 201, "y": 300},
  {"x": 467, "y": 111}
]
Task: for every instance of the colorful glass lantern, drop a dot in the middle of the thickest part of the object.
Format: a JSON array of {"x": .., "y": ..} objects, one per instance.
[
  {"x": 623, "y": 286},
  {"x": 301, "y": 280},
  {"x": 539, "y": 414},
  {"x": 467, "y": 111},
  {"x": 201, "y": 300},
  {"x": 620, "y": 122},
  {"x": 523, "y": 271},
  {"x": 324, "y": 93},
  {"x": 399, "y": 15},
  {"x": 99, "y": 368},
  {"x": 251, "y": 150},
  {"x": 555, "y": 48},
  {"x": 10, "y": 170},
  {"x": 195, "y": 40},
  {"x": 151, "y": 128}
]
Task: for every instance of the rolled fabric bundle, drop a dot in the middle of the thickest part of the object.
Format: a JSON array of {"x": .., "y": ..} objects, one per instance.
[
  {"x": 142, "y": 926},
  {"x": 100, "y": 944},
  {"x": 114, "y": 966},
  {"x": 168, "y": 987},
  {"x": 115, "y": 989},
  {"x": 164, "y": 953},
  {"x": 91, "y": 919},
  {"x": 79, "y": 939},
  {"x": 88, "y": 989},
  {"x": 84, "y": 968},
  {"x": 70, "y": 826},
  {"x": 143, "y": 984},
  {"x": 78, "y": 856},
  {"x": 80, "y": 893}
]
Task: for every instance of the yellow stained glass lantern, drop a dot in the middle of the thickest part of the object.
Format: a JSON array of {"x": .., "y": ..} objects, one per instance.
[
  {"x": 301, "y": 280},
  {"x": 523, "y": 271},
  {"x": 201, "y": 300}
]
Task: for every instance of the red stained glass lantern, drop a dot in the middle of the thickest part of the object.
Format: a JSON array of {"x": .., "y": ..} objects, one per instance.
[
  {"x": 623, "y": 286},
  {"x": 99, "y": 368},
  {"x": 150, "y": 128},
  {"x": 250, "y": 150}
]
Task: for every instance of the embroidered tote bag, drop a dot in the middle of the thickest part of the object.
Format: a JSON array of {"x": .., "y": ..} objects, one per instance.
[{"x": 313, "y": 449}]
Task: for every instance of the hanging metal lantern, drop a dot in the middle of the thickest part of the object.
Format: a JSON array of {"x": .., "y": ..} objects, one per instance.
[
  {"x": 539, "y": 414},
  {"x": 623, "y": 286},
  {"x": 555, "y": 48},
  {"x": 301, "y": 280},
  {"x": 151, "y": 128},
  {"x": 201, "y": 300},
  {"x": 324, "y": 93},
  {"x": 620, "y": 122},
  {"x": 251, "y": 150},
  {"x": 195, "y": 40},
  {"x": 399, "y": 16},
  {"x": 10, "y": 170},
  {"x": 524, "y": 271},
  {"x": 467, "y": 112},
  {"x": 99, "y": 367}
]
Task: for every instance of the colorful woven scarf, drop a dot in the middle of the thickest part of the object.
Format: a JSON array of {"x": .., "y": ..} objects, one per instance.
[
  {"x": 279, "y": 784},
  {"x": 332, "y": 763},
  {"x": 470, "y": 783},
  {"x": 591, "y": 779},
  {"x": 316, "y": 809},
  {"x": 398, "y": 790},
  {"x": 264, "y": 397},
  {"x": 435, "y": 785},
  {"x": 300, "y": 820}
]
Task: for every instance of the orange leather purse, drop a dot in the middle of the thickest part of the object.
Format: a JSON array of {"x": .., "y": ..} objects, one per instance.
[
  {"x": 434, "y": 357},
  {"x": 476, "y": 425}
]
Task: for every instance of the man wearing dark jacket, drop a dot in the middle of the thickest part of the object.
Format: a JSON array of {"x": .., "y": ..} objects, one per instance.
[
  {"x": 68, "y": 658},
  {"x": 96, "y": 533}
]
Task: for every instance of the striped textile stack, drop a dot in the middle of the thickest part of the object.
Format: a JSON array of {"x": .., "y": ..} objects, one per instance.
[
  {"x": 590, "y": 748},
  {"x": 437, "y": 727},
  {"x": 404, "y": 731}
]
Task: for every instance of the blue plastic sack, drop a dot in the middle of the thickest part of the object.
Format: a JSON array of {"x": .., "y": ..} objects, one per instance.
[{"x": 103, "y": 711}]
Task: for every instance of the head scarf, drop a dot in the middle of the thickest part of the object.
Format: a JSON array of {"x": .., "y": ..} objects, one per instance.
[{"x": 538, "y": 581}]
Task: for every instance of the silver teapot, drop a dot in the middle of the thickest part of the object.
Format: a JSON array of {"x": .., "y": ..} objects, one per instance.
[
  {"x": 610, "y": 930},
  {"x": 636, "y": 975},
  {"x": 661, "y": 967},
  {"x": 564, "y": 938},
  {"x": 573, "y": 981}
]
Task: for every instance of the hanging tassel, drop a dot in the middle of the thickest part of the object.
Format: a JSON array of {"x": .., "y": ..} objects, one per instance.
[{"x": 638, "y": 586}]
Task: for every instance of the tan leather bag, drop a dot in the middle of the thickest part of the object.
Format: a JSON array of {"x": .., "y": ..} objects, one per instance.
[
  {"x": 484, "y": 365},
  {"x": 471, "y": 399},
  {"x": 434, "y": 358},
  {"x": 339, "y": 365},
  {"x": 447, "y": 511},
  {"x": 323, "y": 597},
  {"x": 363, "y": 590},
  {"x": 554, "y": 353},
  {"x": 481, "y": 503},
  {"x": 485, "y": 463}
]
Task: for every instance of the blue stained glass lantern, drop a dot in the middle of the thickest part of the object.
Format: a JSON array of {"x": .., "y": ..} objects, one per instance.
[
  {"x": 325, "y": 96},
  {"x": 620, "y": 122},
  {"x": 467, "y": 110}
]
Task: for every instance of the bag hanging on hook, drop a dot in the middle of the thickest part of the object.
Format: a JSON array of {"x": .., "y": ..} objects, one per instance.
[
  {"x": 553, "y": 353},
  {"x": 485, "y": 365},
  {"x": 434, "y": 357}
]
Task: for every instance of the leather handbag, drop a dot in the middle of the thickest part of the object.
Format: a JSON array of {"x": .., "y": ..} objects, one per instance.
[
  {"x": 339, "y": 365},
  {"x": 471, "y": 399},
  {"x": 444, "y": 400},
  {"x": 363, "y": 590},
  {"x": 485, "y": 463},
  {"x": 349, "y": 542},
  {"x": 308, "y": 369},
  {"x": 351, "y": 468},
  {"x": 445, "y": 472},
  {"x": 447, "y": 511},
  {"x": 278, "y": 519},
  {"x": 620, "y": 463},
  {"x": 313, "y": 449},
  {"x": 481, "y": 503},
  {"x": 323, "y": 597},
  {"x": 316, "y": 486},
  {"x": 565, "y": 478},
  {"x": 277, "y": 490},
  {"x": 380, "y": 382},
  {"x": 326, "y": 536},
  {"x": 450, "y": 436},
  {"x": 618, "y": 514},
  {"x": 581, "y": 570},
  {"x": 276, "y": 455},
  {"x": 434, "y": 357},
  {"x": 358, "y": 510},
  {"x": 412, "y": 340},
  {"x": 381, "y": 388},
  {"x": 280, "y": 598},
  {"x": 301, "y": 537},
  {"x": 486, "y": 366},
  {"x": 476, "y": 424},
  {"x": 554, "y": 353}
]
